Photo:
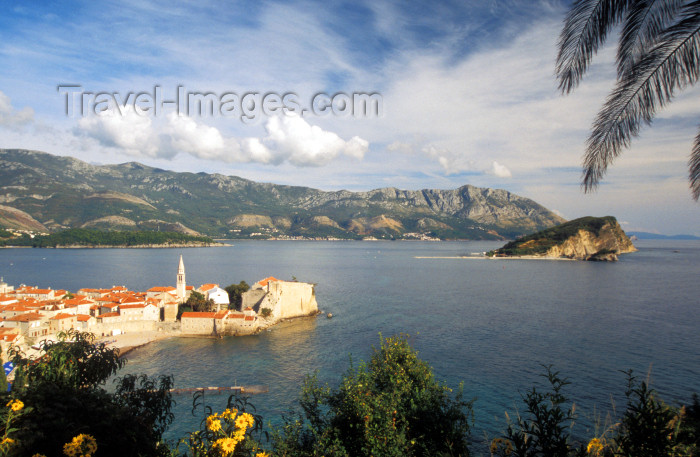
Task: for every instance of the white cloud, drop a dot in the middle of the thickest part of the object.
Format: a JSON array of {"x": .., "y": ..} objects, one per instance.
[
  {"x": 289, "y": 139},
  {"x": 293, "y": 139},
  {"x": 10, "y": 117},
  {"x": 500, "y": 171},
  {"x": 199, "y": 140},
  {"x": 130, "y": 132}
]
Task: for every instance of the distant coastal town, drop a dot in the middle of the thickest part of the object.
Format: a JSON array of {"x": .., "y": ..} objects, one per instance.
[{"x": 126, "y": 319}]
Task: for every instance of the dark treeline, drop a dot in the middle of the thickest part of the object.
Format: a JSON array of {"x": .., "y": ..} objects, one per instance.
[{"x": 89, "y": 237}]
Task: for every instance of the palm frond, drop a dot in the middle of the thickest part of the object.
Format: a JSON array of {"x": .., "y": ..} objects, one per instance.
[
  {"x": 694, "y": 168},
  {"x": 673, "y": 64},
  {"x": 645, "y": 21},
  {"x": 585, "y": 29}
]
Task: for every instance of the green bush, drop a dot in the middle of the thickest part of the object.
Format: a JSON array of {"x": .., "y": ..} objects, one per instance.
[
  {"x": 389, "y": 406},
  {"x": 64, "y": 394},
  {"x": 544, "y": 428}
]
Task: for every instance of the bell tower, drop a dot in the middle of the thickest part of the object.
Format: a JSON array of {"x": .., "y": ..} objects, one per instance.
[{"x": 181, "y": 290}]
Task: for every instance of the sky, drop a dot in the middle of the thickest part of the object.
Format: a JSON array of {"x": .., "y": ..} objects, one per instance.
[{"x": 456, "y": 93}]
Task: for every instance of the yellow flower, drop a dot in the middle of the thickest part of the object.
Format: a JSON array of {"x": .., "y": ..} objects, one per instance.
[
  {"x": 15, "y": 405},
  {"x": 7, "y": 441},
  {"x": 229, "y": 414},
  {"x": 38, "y": 455},
  {"x": 82, "y": 445},
  {"x": 496, "y": 444},
  {"x": 225, "y": 446},
  {"x": 595, "y": 445},
  {"x": 262, "y": 454},
  {"x": 244, "y": 421},
  {"x": 213, "y": 423}
]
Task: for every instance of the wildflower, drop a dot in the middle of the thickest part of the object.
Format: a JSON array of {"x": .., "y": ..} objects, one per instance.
[
  {"x": 213, "y": 423},
  {"x": 229, "y": 414},
  {"x": 244, "y": 421},
  {"x": 496, "y": 444},
  {"x": 15, "y": 405},
  {"x": 262, "y": 454},
  {"x": 82, "y": 445},
  {"x": 595, "y": 445},
  {"x": 38, "y": 455},
  {"x": 7, "y": 441},
  {"x": 225, "y": 446}
]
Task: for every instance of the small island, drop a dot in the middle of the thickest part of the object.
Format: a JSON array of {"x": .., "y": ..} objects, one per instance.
[{"x": 586, "y": 238}]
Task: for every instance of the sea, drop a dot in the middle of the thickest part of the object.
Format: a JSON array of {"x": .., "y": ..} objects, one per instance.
[{"x": 492, "y": 325}]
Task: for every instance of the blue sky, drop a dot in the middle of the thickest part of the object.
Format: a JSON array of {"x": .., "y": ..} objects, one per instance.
[{"x": 467, "y": 88}]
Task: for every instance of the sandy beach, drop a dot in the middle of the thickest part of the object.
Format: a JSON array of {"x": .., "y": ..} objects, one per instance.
[{"x": 127, "y": 342}]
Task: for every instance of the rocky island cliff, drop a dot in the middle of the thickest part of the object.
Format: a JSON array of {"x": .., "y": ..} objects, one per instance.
[{"x": 586, "y": 238}]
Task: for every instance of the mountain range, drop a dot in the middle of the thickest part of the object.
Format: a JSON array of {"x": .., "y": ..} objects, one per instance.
[{"x": 44, "y": 192}]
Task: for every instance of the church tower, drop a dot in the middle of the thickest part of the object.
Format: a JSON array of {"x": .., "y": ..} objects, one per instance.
[{"x": 181, "y": 291}]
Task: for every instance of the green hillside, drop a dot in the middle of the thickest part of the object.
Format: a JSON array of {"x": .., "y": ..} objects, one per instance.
[{"x": 61, "y": 193}]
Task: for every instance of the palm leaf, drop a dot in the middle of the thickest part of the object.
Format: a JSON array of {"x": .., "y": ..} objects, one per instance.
[
  {"x": 585, "y": 29},
  {"x": 694, "y": 167},
  {"x": 644, "y": 23},
  {"x": 673, "y": 64}
]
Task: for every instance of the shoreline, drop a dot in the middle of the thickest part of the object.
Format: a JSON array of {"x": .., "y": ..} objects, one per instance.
[
  {"x": 138, "y": 246},
  {"x": 127, "y": 342},
  {"x": 474, "y": 257}
]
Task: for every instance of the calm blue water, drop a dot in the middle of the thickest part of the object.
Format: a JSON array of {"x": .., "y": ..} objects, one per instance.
[{"x": 490, "y": 324}]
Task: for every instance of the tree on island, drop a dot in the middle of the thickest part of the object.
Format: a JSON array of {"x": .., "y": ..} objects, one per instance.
[
  {"x": 235, "y": 294},
  {"x": 658, "y": 53},
  {"x": 198, "y": 302}
]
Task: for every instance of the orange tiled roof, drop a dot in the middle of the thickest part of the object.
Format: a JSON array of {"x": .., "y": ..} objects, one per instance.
[
  {"x": 83, "y": 317},
  {"x": 197, "y": 314},
  {"x": 34, "y": 290},
  {"x": 62, "y": 316},
  {"x": 236, "y": 316},
  {"x": 162, "y": 289},
  {"x": 263, "y": 282},
  {"x": 26, "y": 317},
  {"x": 250, "y": 318},
  {"x": 206, "y": 287},
  {"x": 77, "y": 301},
  {"x": 133, "y": 306},
  {"x": 108, "y": 315}
]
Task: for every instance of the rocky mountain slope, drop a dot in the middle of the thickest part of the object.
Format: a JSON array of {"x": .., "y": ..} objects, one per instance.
[
  {"x": 62, "y": 192},
  {"x": 586, "y": 238}
]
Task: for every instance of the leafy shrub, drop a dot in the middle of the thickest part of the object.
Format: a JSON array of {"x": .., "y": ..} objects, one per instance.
[
  {"x": 544, "y": 430},
  {"x": 64, "y": 388},
  {"x": 389, "y": 406}
]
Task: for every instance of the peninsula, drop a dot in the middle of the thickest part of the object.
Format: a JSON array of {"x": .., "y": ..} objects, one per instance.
[
  {"x": 124, "y": 318},
  {"x": 586, "y": 238}
]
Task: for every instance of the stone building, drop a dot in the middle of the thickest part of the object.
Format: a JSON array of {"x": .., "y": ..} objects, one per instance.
[{"x": 284, "y": 299}]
